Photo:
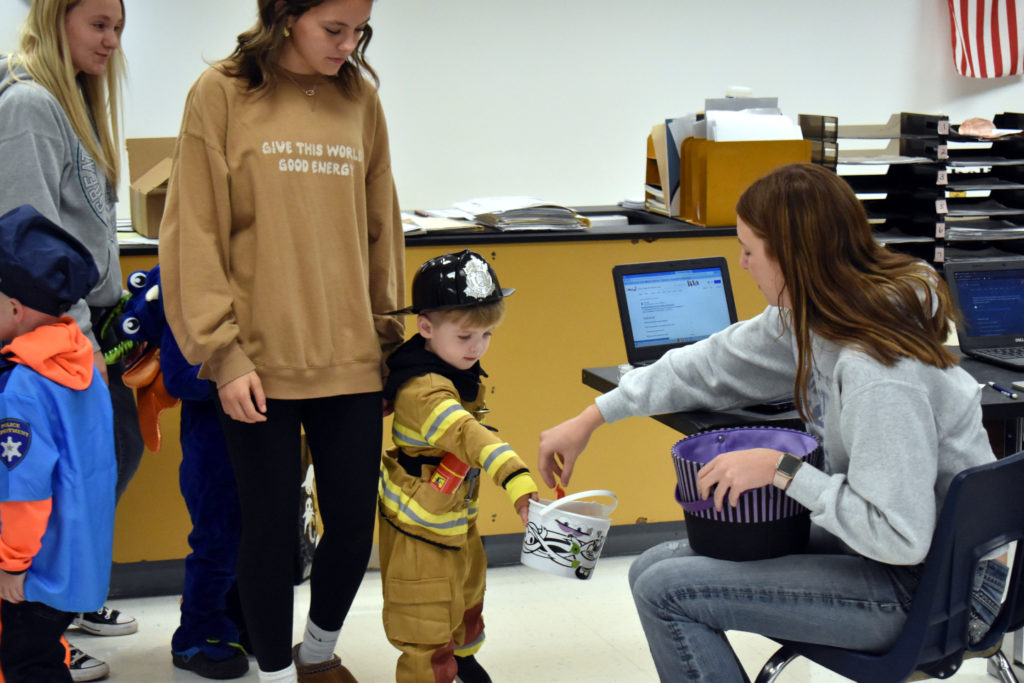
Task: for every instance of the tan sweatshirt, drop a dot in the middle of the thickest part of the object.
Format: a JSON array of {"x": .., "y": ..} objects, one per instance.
[{"x": 281, "y": 245}]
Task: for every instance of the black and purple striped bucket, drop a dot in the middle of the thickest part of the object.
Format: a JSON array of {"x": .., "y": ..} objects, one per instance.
[{"x": 765, "y": 522}]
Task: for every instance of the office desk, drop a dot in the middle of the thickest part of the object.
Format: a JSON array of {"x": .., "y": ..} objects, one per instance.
[
  {"x": 997, "y": 410},
  {"x": 534, "y": 378}
]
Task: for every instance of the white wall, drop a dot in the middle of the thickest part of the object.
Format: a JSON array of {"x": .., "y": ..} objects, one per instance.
[{"x": 556, "y": 97}]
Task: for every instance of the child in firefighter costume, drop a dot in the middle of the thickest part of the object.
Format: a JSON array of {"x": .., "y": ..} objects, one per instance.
[
  {"x": 56, "y": 430},
  {"x": 432, "y": 559},
  {"x": 206, "y": 641}
]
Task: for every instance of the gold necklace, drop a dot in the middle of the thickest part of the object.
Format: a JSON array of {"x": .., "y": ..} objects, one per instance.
[{"x": 309, "y": 92}]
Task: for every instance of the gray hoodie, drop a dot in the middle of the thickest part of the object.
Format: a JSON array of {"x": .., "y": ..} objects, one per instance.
[
  {"x": 894, "y": 437},
  {"x": 43, "y": 163}
]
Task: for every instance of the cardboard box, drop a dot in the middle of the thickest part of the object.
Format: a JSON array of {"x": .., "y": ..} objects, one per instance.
[{"x": 149, "y": 167}]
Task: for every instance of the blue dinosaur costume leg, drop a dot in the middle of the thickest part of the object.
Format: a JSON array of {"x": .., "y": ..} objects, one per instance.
[
  {"x": 208, "y": 486},
  {"x": 202, "y": 641}
]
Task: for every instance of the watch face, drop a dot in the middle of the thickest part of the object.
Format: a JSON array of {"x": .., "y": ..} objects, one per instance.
[{"x": 789, "y": 464}]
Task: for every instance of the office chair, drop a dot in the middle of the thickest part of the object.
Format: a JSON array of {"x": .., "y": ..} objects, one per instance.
[{"x": 983, "y": 510}]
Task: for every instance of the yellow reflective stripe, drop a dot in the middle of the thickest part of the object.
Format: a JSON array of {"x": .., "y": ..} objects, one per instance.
[
  {"x": 404, "y": 436},
  {"x": 409, "y": 511},
  {"x": 493, "y": 456},
  {"x": 441, "y": 418},
  {"x": 521, "y": 485}
]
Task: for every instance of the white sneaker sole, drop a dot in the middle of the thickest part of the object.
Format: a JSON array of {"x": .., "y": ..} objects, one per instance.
[
  {"x": 106, "y": 629},
  {"x": 93, "y": 673}
]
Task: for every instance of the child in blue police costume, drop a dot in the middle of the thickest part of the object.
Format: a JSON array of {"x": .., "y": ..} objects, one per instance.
[
  {"x": 432, "y": 559},
  {"x": 206, "y": 641},
  {"x": 56, "y": 431}
]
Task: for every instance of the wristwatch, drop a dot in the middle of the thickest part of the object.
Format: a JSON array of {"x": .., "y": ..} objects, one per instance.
[{"x": 785, "y": 470}]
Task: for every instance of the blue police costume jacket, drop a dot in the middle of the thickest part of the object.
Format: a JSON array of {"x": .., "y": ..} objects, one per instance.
[{"x": 56, "y": 434}]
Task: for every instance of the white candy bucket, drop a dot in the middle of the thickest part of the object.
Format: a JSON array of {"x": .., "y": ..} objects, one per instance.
[{"x": 565, "y": 537}]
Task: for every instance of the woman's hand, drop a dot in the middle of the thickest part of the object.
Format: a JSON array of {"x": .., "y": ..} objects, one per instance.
[
  {"x": 735, "y": 472},
  {"x": 561, "y": 445},
  {"x": 243, "y": 399}
]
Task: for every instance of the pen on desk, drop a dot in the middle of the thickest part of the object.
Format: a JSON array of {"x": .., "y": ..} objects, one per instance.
[{"x": 1002, "y": 390}]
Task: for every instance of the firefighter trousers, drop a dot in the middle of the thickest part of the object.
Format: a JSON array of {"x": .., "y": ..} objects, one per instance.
[{"x": 433, "y": 602}]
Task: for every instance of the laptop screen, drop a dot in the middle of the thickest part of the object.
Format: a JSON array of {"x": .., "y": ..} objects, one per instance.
[
  {"x": 991, "y": 300},
  {"x": 667, "y": 304}
]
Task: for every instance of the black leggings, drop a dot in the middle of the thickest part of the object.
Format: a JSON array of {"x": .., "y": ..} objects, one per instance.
[{"x": 344, "y": 437}]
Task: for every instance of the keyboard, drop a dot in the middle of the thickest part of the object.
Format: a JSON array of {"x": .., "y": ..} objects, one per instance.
[{"x": 1004, "y": 352}]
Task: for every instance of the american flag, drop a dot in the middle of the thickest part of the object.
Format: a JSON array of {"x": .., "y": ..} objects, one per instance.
[{"x": 987, "y": 37}]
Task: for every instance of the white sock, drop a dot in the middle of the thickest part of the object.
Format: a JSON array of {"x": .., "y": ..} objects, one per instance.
[
  {"x": 317, "y": 644},
  {"x": 287, "y": 675}
]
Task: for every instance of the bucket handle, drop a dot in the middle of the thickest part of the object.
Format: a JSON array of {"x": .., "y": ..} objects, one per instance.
[
  {"x": 578, "y": 496},
  {"x": 693, "y": 506},
  {"x": 697, "y": 505}
]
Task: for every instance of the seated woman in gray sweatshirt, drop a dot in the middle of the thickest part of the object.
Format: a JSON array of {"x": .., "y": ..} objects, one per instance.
[{"x": 857, "y": 334}]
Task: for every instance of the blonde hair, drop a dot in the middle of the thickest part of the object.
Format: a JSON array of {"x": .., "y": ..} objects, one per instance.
[
  {"x": 480, "y": 316},
  {"x": 44, "y": 55}
]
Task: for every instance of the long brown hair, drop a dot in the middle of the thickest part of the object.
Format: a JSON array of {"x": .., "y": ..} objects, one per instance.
[
  {"x": 842, "y": 285},
  {"x": 253, "y": 57},
  {"x": 45, "y": 56}
]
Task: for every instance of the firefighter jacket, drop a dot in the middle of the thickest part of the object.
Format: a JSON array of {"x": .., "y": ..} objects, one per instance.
[{"x": 433, "y": 418}]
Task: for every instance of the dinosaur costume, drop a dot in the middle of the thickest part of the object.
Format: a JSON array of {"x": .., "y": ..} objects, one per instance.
[{"x": 206, "y": 639}]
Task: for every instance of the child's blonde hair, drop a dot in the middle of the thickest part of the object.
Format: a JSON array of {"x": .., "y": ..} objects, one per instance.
[{"x": 482, "y": 316}]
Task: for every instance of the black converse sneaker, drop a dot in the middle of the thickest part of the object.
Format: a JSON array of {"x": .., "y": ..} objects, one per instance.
[
  {"x": 106, "y": 622},
  {"x": 84, "y": 667}
]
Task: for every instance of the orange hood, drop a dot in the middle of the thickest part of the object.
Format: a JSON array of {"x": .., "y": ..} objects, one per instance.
[{"x": 59, "y": 352}]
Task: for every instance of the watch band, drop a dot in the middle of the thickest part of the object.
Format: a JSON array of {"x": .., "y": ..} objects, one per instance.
[{"x": 785, "y": 469}]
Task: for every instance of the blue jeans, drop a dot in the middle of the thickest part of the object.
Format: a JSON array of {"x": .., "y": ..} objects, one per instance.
[{"x": 686, "y": 602}]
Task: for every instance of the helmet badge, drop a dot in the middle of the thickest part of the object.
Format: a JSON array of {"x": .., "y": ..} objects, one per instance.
[{"x": 479, "y": 283}]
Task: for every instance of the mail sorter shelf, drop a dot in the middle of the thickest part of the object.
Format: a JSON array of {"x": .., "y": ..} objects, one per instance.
[
  {"x": 986, "y": 173},
  {"x": 961, "y": 193},
  {"x": 912, "y": 138},
  {"x": 905, "y": 206},
  {"x": 929, "y": 190},
  {"x": 985, "y": 194}
]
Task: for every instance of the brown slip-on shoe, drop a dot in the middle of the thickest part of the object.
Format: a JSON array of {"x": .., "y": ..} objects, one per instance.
[{"x": 330, "y": 671}]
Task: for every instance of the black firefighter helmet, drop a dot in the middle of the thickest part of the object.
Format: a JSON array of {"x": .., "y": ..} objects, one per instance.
[{"x": 454, "y": 281}]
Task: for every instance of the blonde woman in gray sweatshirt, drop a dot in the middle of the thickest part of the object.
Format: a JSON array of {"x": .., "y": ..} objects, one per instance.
[{"x": 60, "y": 153}]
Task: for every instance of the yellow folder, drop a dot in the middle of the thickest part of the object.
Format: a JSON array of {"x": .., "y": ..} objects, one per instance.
[{"x": 713, "y": 175}]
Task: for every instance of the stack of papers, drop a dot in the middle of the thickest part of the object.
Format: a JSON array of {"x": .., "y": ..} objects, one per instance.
[
  {"x": 523, "y": 213},
  {"x": 733, "y": 126},
  {"x": 417, "y": 224}
]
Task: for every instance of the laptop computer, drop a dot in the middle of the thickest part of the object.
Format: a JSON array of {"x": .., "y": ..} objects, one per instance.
[
  {"x": 990, "y": 297},
  {"x": 667, "y": 304}
]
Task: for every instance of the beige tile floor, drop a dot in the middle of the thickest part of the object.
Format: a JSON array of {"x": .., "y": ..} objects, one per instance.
[{"x": 541, "y": 629}]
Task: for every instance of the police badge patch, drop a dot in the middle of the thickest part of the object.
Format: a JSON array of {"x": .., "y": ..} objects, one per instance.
[{"x": 15, "y": 439}]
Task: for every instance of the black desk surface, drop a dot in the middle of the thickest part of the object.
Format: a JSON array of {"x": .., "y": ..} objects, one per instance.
[
  {"x": 994, "y": 405},
  {"x": 642, "y": 225}
]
